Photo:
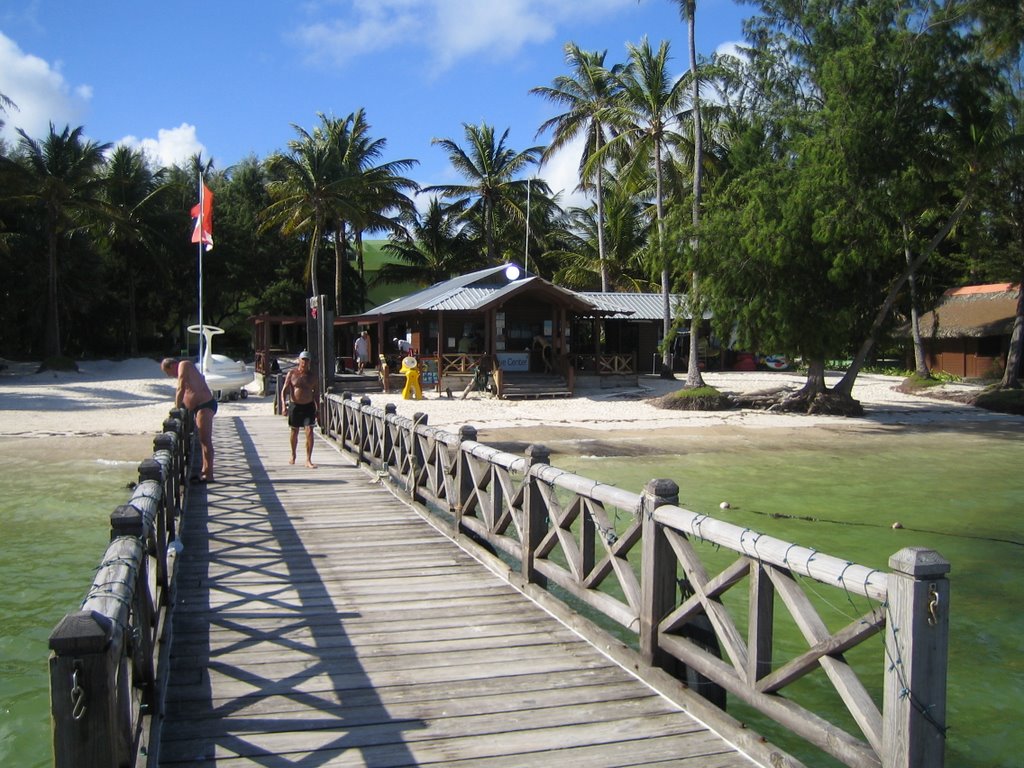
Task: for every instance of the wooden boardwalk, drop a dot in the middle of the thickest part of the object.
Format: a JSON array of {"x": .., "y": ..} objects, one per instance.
[{"x": 321, "y": 621}]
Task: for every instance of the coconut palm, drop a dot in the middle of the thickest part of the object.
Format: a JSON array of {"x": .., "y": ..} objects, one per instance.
[
  {"x": 376, "y": 194},
  {"x": 436, "y": 248},
  {"x": 688, "y": 11},
  {"x": 646, "y": 115},
  {"x": 61, "y": 177},
  {"x": 587, "y": 93},
  {"x": 305, "y": 194},
  {"x": 489, "y": 167}
]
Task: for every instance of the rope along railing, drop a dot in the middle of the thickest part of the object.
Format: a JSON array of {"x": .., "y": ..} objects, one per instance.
[
  {"x": 670, "y": 578},
  {"x": 108, "y": 660}
]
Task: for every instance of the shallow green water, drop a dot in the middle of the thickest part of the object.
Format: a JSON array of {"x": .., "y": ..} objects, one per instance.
[
  {"x": 54, "y": 523},
  {"x": 960, "y": 494}
]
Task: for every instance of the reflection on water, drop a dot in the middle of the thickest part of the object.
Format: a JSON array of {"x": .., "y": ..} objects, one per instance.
[{"x": 959, "y": 494}]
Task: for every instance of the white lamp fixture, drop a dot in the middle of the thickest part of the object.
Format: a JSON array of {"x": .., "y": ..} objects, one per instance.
[{"x": 512, "y": 272}]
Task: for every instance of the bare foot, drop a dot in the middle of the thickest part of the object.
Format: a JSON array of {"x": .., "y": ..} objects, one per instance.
[
  {"x": 310, "y": 464},
  {"x": 291, "y": 460}
]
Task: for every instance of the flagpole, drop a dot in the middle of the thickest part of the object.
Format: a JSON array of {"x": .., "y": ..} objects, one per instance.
[{"x": 202, "y": 336}]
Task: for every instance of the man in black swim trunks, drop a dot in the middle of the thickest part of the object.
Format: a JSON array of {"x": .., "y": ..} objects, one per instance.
[
  {"x": 301, "y": 385},
  {"x": 194, "y": 393}
]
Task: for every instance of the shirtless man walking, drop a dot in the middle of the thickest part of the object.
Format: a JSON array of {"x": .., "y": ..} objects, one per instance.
[
  {"x": 301, "y": 385},
  {"x": 194, "y": 393}
]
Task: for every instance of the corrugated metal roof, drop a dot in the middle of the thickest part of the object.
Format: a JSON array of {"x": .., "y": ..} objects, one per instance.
[{"x": 639, "y": 306}]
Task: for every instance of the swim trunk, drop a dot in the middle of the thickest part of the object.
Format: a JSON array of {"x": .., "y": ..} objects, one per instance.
[
  {"x": 301, "y": 415},
  {"x": 209, "y": 406}
]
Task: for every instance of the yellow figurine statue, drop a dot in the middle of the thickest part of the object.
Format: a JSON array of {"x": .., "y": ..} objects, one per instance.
[{"x": 411, "y": 369}]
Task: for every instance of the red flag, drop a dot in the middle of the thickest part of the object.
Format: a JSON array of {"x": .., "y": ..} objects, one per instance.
[{"x": 206, "y": 220}]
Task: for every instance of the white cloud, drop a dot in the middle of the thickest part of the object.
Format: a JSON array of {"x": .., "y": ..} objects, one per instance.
[
  {"x": 448, "y": 31},
  {"x": 173, "y": 146},
  {"x": 562, "y": 173},
  {"x": 41, "y": 94}
]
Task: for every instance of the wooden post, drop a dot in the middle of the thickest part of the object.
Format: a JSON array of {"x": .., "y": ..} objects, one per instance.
[
  {"x": 535, "y": 514},
  {"x": 83, "y": 692},
  {"x": 657, "y": 569},
  {"x": 387, "y": 442},
  {"x": 464, "y": 478},
  {"x": 364, "y": 429},
  {"x": 416, "y": 459},
  {"x": 916, "y": 652}
]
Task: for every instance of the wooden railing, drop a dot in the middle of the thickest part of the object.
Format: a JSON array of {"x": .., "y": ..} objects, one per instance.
[
  {"x": 109, "y": 660},
  {"x": 668, "y": 578},
  {"x": 604, "y": 364}
]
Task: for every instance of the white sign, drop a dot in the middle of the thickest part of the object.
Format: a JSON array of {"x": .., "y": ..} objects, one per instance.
[{"x": 514, "y": 361}]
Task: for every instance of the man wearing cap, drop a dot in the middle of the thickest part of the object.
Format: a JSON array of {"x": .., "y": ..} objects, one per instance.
[{"x": 301, "y": 385}]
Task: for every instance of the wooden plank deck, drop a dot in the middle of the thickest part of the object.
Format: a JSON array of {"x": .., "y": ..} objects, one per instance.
[{"x": 320, "y": 621}]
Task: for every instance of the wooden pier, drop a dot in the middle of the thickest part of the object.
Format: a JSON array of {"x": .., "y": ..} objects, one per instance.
[
  {"x": 320, "y": 621},
  {"x": 422, "y": 599}
]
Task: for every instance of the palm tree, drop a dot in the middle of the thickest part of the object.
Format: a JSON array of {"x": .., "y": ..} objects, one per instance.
[
  {"x": 305, "y": 194},
  {"x": 436, "y": 248},
  {"x": 489, "y": 167},
  {"x": 62, "y": 178},
  {"x": 645, "y": 114},
  {"x": 131, "y": 191},
  {"x": 688, "y": 11},
  {"x": 376, "y": 194},
  {"x": 587, "y": 93},
  {"x": 626, "y": 226}
]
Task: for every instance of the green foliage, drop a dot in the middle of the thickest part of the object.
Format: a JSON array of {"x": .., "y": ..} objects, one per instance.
[{"x": 704, "y": 398}]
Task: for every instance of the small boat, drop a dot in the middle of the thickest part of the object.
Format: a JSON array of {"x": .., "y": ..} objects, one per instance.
[{"x": 226, "y": 377}]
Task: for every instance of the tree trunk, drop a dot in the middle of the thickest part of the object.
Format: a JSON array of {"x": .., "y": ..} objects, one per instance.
[
  {"x": 340, "y": 248},
  {"x": 53, "y": 346},
  {"x": 666, "y": 303},
  {"x": 1011, "y": 379},
  {"x": 845, "y": 385},
  {"x": 815, "y": 383},
  {"x": 920, "y": 362},
  {"x": 693, "y": 376},
  {"x": 602, "y": 261},
  {"x": 362, "y": 271}
]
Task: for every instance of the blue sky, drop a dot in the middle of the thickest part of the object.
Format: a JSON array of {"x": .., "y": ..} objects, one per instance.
[{"x": 229, "y": 78}]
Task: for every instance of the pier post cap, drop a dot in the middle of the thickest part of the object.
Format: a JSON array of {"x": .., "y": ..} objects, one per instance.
[
  {"x": 538, "y": 454},
  {"x": 665, "y": 491},
  {"x": 173, "y": 424},
  {"x": 467, "y": 432},
  {"x": 919, "y": 562},
  {"x": 164, "y": 441},
  {"x": 391, "y": 408},
  {"x": 419, "y": 418},
  {"x": 364, "y": 400},
  {"x": 126, "y": 520},
  {"x": 82, "y": 632},
  {"x": 150, "y": 469},
  {"x": 346, "y": 395}
]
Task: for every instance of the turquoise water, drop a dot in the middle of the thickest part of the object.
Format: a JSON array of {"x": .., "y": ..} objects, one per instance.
[
  {"x": 959, "y": 494},
  {"x": 54, "y": 523}
]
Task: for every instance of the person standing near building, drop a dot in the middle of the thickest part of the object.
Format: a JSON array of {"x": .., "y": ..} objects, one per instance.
[
  {"x": 361, "y": 351},
  {"x": 301, "y": 386}
]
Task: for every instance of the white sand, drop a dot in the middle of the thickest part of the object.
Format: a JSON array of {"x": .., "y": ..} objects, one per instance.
[{"x": 133, "y": 398}]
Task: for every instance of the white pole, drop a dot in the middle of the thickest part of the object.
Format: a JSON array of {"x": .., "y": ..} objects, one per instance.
[
  {"x": 526, "y": 249},
  {"x": 201, "y": 335}
]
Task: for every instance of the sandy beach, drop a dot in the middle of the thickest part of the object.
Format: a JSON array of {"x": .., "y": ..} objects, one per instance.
[{"x": 125, "y": 402}]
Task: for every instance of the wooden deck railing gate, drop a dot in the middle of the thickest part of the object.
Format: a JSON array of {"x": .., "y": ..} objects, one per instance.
[
  {"x": 642, "y": 562},
  {"x": 109, "y": 658}
]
